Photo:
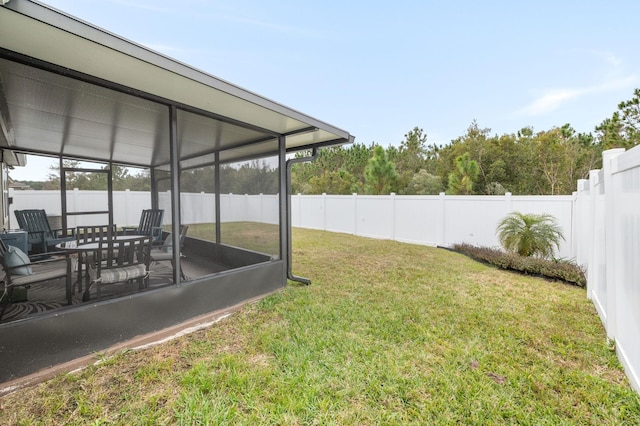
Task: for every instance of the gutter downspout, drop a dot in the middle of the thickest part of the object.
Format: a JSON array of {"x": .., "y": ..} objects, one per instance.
[{"x": 290, "y": 162}]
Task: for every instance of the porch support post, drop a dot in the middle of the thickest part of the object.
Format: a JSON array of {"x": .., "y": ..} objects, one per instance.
[
  {"x": 283, "y": 190},
  {"x": 216, "y": 174},
  {"x": 63, "y": 192},
  {"x": 154, "y": 188},
  {"x": 175, "y": 191},
  {"x": 109, "y": 193},
  {"x": 287, "y": 215}
]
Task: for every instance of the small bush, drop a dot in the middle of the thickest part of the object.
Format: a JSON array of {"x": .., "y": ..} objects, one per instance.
[{"x": 554, "y": 269}]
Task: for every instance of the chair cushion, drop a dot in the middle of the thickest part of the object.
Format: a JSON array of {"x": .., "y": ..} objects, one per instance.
[
  {"x": 16, "y": 257},
  {"x": 124, "y": 273},
  {"x": 43, "y": 271},
  {"x": 161, "y": 254}
]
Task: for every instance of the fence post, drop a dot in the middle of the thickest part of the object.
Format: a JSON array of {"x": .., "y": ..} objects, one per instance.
[
  {"x": 578, "y": 218},
  {"x": 441, "y": 230},
  {"x": 610, "y": 240},
  {"x": 202, "y": 199},
  {"x": 592, "y": 270},
  {"x": 355, "y": 213},
  {"x": 127, "y": 210},
  {"x": 298, "y": 215},
  {"x": 324, "y": 211},
  {"x": 507, "y": 202},
  {"x": 393, "y": 215},
  {"x": 75, "y": 199}
]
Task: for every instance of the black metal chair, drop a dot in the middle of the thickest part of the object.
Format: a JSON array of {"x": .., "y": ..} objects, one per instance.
[
  {"x": 40, "y": 236},
  {"x": 21, "y": 272},
  {"x": 87, "y": 234},
  {"x": 165, "y": 252},
  {"x": 118, "y": 261},
  {"x": 94, "y": 233},
  {"x": 150, "y": 224}
]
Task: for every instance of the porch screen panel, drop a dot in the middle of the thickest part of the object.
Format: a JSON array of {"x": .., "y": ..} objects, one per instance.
[
  {"x": 197, "y": 202},
  {"x": 249, "y": 205},
  {"x": 131, "y": 195}
]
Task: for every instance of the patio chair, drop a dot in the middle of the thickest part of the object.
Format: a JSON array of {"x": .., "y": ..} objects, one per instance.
[
  {"x": 19, "y": 271},
  {"x": 150, "y": 224},
  {"x": 40, "y": 236},
  {"x": 165, "y": 252},
  {"x": 86, "y": 234},
  {"x": 94, "y": 233},
  {"x": 119, "y": 261}
]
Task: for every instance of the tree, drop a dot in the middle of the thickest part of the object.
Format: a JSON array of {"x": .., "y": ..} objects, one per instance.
[
  {"x": 339, "y": 182},
  {"x": 352, "y": 161},
  {"x": 529, "y": 234},
  {"x": 380, "y": 173},
  {"x": 550, "y": 157},
  {"x": 252, "y": 177},
  {"x": 424, "y": 183},
  {"x": 466, "y": 172},
  {"x": 121, "y": 178},
  {"x": 622, "y": 130},
  {"x": 477, "y": 143},
  {"x": 495, "y": 188},
  {"x": 563, "y": 158},
  {"x": 409, "y": 158}
]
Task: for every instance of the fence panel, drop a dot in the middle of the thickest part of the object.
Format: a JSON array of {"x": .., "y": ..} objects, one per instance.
[
  {"x": 197, "y": 207},
  {"x": 560, "y": 207},
  {"x": 431, "y": 220},
  {"x": 624, "y": 301},
  {"x": 310, "y": 211},
  {"x": 374, "y": 216},
  {"x": 608, "y": 245},
  {"x": 583, "y": 223},
  {"x": 597, "y": 268},
  {"x": 418, "y": 219},
  {"x": 473, "y": 219},
  {"x": 340, "y": 213}
]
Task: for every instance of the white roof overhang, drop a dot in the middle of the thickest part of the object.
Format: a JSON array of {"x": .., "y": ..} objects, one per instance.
[{"x": 69, "y": 88}]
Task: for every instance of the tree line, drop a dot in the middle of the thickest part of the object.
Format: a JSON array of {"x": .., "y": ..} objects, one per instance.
[
  {"x": 524, "y": 162},
  {"x": 252, "y": 177}
]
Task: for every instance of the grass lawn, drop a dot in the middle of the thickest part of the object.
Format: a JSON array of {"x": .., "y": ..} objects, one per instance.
[
  {"x": 260, "y": 237},
  {"x": 388, "y": 333}
]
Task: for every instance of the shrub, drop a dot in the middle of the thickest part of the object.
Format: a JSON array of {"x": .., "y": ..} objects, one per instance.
[
  {"x": 529, "y": 234},
  {"x": 562, "y": 270}
]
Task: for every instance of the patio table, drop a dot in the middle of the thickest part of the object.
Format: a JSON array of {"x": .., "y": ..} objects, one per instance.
[{"x": 85, "y": 248}]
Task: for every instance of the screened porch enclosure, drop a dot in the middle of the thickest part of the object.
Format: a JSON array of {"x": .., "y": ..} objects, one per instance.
[
  {"x": 249, "y": 217},
  {"x": 74, "y": 92}
]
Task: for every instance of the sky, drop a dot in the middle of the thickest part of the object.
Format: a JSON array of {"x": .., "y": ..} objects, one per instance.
[{"x": 378, "y": 69}]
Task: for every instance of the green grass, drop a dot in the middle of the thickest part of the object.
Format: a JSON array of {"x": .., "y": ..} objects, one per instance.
[
  {"x": 388, "y": 333},
  {"x": 260, "y": 237}
]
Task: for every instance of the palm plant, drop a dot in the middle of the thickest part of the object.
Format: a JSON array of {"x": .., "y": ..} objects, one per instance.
[{"x": 530, "y": 234}]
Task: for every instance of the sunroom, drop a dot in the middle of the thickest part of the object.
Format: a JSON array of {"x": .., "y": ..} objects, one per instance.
[{"x": 97, "y": 103}]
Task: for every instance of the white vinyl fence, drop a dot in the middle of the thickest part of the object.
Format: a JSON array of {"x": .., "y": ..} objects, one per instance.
[
  {"x": 195, "y": 207},
  {"x": 437, "y": 220},
  {"x": 608, "y": 220}
]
